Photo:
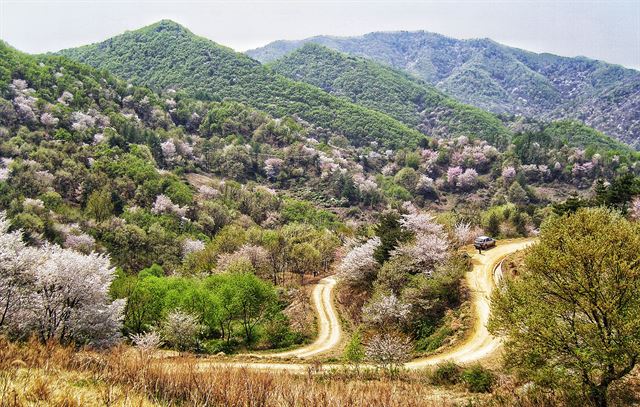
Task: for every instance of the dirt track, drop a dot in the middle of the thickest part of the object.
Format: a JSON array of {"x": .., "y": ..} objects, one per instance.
[
  {"x": 329, "y": 331},
  {"x": 477, "y": 346}
]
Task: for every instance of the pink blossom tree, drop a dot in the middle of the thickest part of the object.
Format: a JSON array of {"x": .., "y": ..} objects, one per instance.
[
  {"x": 468, "y": 179},
  {"x": 452, "y": 175},
  {"x": 635, "y": 208}
]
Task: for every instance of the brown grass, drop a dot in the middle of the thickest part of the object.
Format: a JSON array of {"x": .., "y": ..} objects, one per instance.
[{"x": 32, "y": 374}]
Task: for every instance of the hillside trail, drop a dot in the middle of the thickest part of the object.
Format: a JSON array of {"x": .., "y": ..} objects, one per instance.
[
  {"x": 478, "y": 345},
  {"x": 329, "y": 329}
]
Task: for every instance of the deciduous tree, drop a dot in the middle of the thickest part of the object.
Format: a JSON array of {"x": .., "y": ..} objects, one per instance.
[{"x": 574, "y": 311}]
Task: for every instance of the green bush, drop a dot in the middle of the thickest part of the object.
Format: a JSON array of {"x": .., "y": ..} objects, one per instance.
[
  {"x": 446, "y": 373},
  {"x": 478, "y": 379}
]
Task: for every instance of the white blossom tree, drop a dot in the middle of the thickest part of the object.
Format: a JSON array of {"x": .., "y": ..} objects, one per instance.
[
  {"x": 359, "y": 267},
  {"x": 181, "y": 330},
  {"x": 386, "y": 312},
  {"x": 70, "y": 301},
  {"x": 463, "y": 233},
  {"x": 272, "y": 167},
  {"x": 163, "y": 204},
  {"x": 425, "y": 253},
  {"x": 49, "y": 120},
  {"x": 55, "y": 293},
  {"x": 168, "y": 150},
  {"x": 389, "y": 351},
  {"x": 146, "y": 342},
  {"x": 17, "y": 262},
  {"x": 421, "y": 223},
  {"x": 191, "y": 246}
]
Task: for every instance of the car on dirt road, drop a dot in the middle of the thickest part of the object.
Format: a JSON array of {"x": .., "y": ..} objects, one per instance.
[{"x": 484, "y": 242}]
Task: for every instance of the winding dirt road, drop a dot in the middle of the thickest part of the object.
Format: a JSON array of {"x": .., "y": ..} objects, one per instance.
[
  {"x": 329, "y": 330},
  {"x": 480, "y": 281},
  {"x": 479, "y": 344}
]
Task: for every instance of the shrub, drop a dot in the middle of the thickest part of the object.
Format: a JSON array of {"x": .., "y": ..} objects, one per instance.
[
  {"x": 354, "y": 352},
  {"x": 478, "y": 379},
  {"x": 446, "y": 373}
]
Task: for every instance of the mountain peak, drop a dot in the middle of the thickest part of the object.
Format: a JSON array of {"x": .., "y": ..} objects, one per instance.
[{"x": 166, "y": 25}]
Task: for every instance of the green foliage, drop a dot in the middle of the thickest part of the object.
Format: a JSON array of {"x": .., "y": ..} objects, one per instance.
[
  {"x": 575, "y": 308},
  {"x": 532, "y": 147},
  {"x": 354, "y": 352},
  {"x": 616, "y": 195},
  {"x": 496, "y": 77},
  {"x": 99, "y": 205},
  {"x": 478, "y": 379},
  {"x": 446, "y": 373},
  {"x": 390, "y": 232},
  {"x": 295, "y": 211},
  {"x": 493, "y": 225},
  {"x": 228, "y": 306},
  {"x": 400, "y": 95},
  {"x": 209, "y": 71}
]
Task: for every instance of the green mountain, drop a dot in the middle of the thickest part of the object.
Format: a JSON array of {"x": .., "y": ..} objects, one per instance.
[
  {"x": 501, "y": 79},
  {"x": 398, "y": 94},
  {"x": 166, "y": 55}
]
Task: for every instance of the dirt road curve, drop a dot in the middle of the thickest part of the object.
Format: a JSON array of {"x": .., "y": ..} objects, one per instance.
[
  {"x": 480, "y": 280},
  {"x": 329, "y": 331},
  {"x": 478, "y": 345}
]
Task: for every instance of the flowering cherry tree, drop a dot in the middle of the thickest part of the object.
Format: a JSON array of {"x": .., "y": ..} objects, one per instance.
[
  {"x": 635, "y": 208},
  {"x": 17, "y": 263},
  {"x": 191, "y": 246},
  {"x": 463, "y": 233},
  {"x": 468, "y": 179},
  {"x": 425, "y": 253},
  {"x": 163, "y": 204},
  {"x": 55, "y": 293},
  {"x": 421, "y": 223},
  {"x": 386, "y": 312},
  {"x": 168, "y": 150},
  {"x": 256, "y": 255},
  {"x": 69, "y": 301},
  {"x": 389, "y": 351},
  {"x": 49, "y": 120},
  {"x": 272, "y": 167},
  {"x": 181, "y": 329},
  {"x": 359, "y": 266},
  {"x": 452, "y": 175}
]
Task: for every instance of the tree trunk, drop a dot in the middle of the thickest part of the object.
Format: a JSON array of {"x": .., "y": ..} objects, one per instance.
[{"x": 598, "y": 395}]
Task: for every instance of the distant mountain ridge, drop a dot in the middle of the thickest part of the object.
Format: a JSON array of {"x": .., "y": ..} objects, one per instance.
[{"x": 500, "y": 79}]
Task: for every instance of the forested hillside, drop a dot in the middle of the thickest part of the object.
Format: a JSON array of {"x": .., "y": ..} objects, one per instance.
[
  {"x": 166, "y": 56},
  {"x": 399, "y": 95},
  {"x": 501, "y": 79}
]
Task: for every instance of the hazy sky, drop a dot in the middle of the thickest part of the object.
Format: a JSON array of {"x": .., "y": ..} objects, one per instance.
[{"x": 607, "y": 29}]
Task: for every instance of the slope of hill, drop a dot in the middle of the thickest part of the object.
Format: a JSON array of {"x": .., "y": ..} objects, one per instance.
[
  {"x": 393, "y": 92},
  {"x": 501, "y": 79},
  {"x": 166, "y": 55}
]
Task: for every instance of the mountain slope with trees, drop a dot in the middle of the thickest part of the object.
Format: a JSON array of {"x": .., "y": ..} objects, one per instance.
[
  {"x": 166, "y": 55},
  {"x": 501, "y": 79},
  {"x": 399, "y": 95}
]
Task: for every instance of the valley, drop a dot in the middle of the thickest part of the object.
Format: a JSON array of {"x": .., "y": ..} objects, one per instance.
[{"x": 302, "y": 224}]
